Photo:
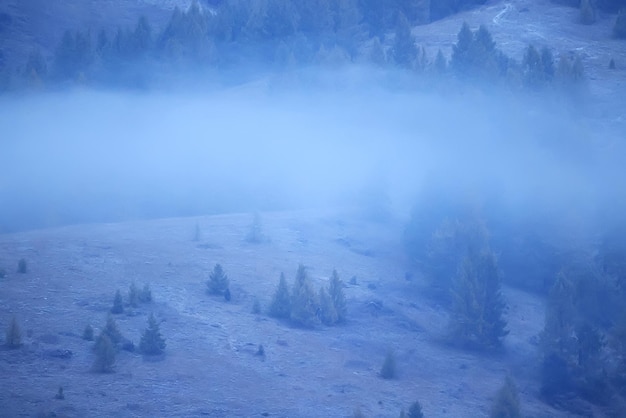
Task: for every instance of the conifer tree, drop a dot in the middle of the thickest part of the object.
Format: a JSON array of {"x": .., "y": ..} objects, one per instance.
[
  {"x": 415, "y": 410},
  {"x": 118, "y": 303},
  {"x": 13, "y": 334},
  {"x": 388, "y": 370},
  {"x": 88, "y": 333},
  {"x": 133, "y": 295},
  {"x": 112, "y": 331},
  {"x": 281, "y": 302},
  {"x": 338, "y": 297},
  {"x": 506, "y": 403},
  {"x": 152, "y": 343},
  {"x": 218, "y": 281},
  {"x": 478, "y": 306},
  {"x": 404, "y": 50},
  {"x": 328, "y": 313},
  {"x": 303, "y": 300},
  {"x": 105, "y": 354}
]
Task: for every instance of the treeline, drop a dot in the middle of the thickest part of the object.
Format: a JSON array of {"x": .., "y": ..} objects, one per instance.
[{"x": 278, "y": 34}]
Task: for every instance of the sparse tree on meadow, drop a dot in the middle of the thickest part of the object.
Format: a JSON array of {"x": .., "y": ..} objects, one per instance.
[
  {"x": 388, "y": 370},
  {"x": 118, "y": 303},
  {"x": 152, "y": 343},
  {"x": 303, "y": 300},
  {"x": 506, "y": 403},
  {"x": 218, "y": 281},
  {"x": 133, "y": 295},
  {"x": 281, "y": 302},
  {"x": 105, "y": 354},
  {"x": 13, "y": 334},
  {"x": 112, "y": 331},
  {"x": 415, "y": 410},
  {"x": 88, "y": 333},
  {"x": 328, "y": 313},
  {"x": 338, "y": 297}
]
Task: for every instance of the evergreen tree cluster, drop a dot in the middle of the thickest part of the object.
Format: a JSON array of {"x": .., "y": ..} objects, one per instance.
[
  {"x": 274, "y": 34},
  {"x": 134, "y": 298},
  {"x": 303, "y": 306}
]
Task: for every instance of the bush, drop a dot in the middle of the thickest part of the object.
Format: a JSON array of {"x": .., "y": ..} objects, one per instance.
[
  {"x": 152, "y": 343},
  {"x": 388, "y": 370},
  {"x": 506, "y": 403},
  {"x": 105, "y": 354},
  {"x": 218, "y": 281},
  {"x": 281, "y": 302},
  {"x": 118, "y": 303},
  {"x": 88, "y": 333},
  {"x": 13, "y": 334},
  {"x": 22, "y": 267}
]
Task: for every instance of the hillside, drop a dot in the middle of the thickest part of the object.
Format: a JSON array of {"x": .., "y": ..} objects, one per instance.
[{"x": 210, "y": 367}]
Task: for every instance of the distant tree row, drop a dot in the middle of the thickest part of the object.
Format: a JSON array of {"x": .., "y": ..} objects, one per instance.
[{"x": 282, "y": 34}]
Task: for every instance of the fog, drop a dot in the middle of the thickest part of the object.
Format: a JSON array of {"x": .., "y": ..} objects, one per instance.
[{"x": 104, "y": 156}]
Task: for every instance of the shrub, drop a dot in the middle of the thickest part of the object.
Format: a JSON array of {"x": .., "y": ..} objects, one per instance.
[
  {"x": 218, "y": 281},
  {"x": 303, "y": 300},
  {"x": 22, "y": 267},
  {"x": 506, "y": 403},
  {"x": 118, "y": 303},
  {"x": 152, "y": 343},
  {"x": 281, "y": 302},
  {"x": 105, "y": 354},
  {"x": 260, "y": 351},
  {"x": 145, "y": 295},
  {"x": 88, "y": 333},
  {"x": 388, "y": 370},
  {"x": 415, "y": 410},
  {"x": 133, "y": 295},
  {"x": 13, "y": 334}
]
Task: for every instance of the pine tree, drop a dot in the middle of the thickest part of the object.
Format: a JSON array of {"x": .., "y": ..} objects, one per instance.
[
  {"x": 587, "y": 12},
  {"x": 338, "y": 297},
  {"x": 105, "y": 354},
  {"x": 152, "y": 343},
  {"x": 112, "y": 331},
  {"x": 145, "y": 295},
  {"x": 461, "y": 60},
  {"x": 328, "y": 313},
  {"x": 88, "y": 333},
  {"x": 218, "y": 281},
  {"x": 133, "y": 295},
  {"x": 281, "y": 302},
  {"x": 13, "y": 334},
  {"x": 619, "y": 29},
  {"x": 303, "y": 301},
  {"x": 388, "y": 370},
  {"x": 377, "y": 54},
  {"x": 506, "y": 403},
  {"x": 404, "y": 51},
  {"x": 477, "y": 316},
  {"x": 415, "y": 410},
  {"x": 441, "y": 64},
  {"x": 118, "y": 303}
]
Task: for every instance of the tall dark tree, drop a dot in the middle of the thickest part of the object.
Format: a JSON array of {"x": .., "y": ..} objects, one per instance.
[
  {"x": 338, "y": 297},
  {"x": 105, "y": 354},
  {"x": 404, "y": 51},
  {"x": 218, "y": 280},
  {"x": 477, "y": 318}
]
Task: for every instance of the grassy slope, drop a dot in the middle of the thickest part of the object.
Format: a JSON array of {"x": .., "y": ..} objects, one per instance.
[{"x": 210, "y": 367}]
